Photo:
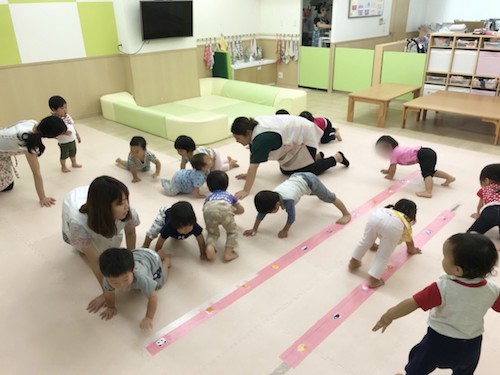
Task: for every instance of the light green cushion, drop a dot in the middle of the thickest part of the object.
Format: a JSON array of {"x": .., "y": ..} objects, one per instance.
[
  {"x": 250, "y": 92},
  {"x": 174, "y": 109},
  {"x": 208, "y": 102},
  {"x": 144, "y": 119},
  {"x": 245, "y": 109}
]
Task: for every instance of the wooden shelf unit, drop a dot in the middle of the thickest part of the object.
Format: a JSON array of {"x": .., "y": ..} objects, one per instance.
[{"x": 462, "y": 55}]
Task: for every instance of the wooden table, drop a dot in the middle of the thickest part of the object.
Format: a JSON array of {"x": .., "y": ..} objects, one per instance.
[
  {"x": 382, "y": 95},
  {"x": 487, "y": 108}
]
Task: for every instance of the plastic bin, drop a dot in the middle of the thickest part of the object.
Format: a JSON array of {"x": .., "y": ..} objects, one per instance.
[
  {"x": 466, "y": 43},
  {"x": 492, "y": 45},
  {"x": 437, "y": 80},
  {"x": 441, "y": 42},
  {"x": 459, "y": 80}
]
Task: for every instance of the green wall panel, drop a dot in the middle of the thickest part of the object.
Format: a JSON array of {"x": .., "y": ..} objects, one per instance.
[
  {"x": 401, "y": 67},
  {"x": 353, "y": 69},
  {"x": 40, "y": 1},
  {"x": 9, "y": 52},
  {"x": 314, "y": 65},
  {"x": 98, "y": 28}
]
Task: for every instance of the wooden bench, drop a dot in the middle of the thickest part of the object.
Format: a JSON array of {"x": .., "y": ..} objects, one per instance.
[
  {"x": 487, "y": 108},
  {"x": 380, "y": 94}
]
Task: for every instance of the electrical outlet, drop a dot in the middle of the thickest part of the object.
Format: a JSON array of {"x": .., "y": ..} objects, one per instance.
[{"x": 280, "y": 75}]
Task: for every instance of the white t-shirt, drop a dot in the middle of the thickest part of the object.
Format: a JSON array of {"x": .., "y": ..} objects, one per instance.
[
  {"x": 76, "y": 230},
  {"x": 10, "y": 141},
  {"x": 63, "y": 138},
  {"x": 294, "y": 188}
]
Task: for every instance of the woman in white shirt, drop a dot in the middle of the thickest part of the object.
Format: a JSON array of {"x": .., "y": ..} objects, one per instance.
[
  {"x": 94, "y": 218},
  {"x": 25, "y": 137}
]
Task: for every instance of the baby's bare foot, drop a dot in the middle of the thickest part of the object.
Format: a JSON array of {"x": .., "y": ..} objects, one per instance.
[
  {"x": 354, "y": 264},
  {"x": 230, "y": 255},
  {"x": 344, "y": 219},
  {"x": 338, "y": 136},
  {"x": 424, "y": 194},
  {"x": 448, "y": 181},
  {"x": 375, "y": 283},
  {"x": 374, "y": 247},
  {"x": 76, "y": 165},
  {"x": 65, "y": 170},
  {"x": 232, "y": 163},
  {"x": 210, "y": 252}
]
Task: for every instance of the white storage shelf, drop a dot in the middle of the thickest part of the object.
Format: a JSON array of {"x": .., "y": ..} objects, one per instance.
[{"x": 463, "y": 63}]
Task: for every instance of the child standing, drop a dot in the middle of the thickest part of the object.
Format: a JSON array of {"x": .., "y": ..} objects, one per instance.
[
  {"x": 189, "y": 181},
  {"x": 186, "y": 148},
  {"x": 219, "y": 209},
  {"x": 288, "y": 194},
  {"x": 67, "y": 140},
  {"x": 426, "y": 157},
  {"x": 457, "y": 304},
  {"x": 139, "y": 159},
  {"x": 488, "y": 208},
  {"x": 179, "y": 222},
  {"x": 329, "y": 132},
  {"x": 141, "y": 269},
  {"x": 392, "y": 225}
]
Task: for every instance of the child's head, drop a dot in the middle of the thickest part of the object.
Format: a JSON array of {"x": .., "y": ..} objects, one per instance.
[
  {"x": 138, "y": 146},
  {"x": 282, "y": 112},
  {"x": 182, "y": 217},
  {"x": 385, "y": 145},
  {"x": 490, "y": 174},
  {"x": 57, "y": 105},
  {"x": 469, "y": 255},
  {"x": 406, "y": 207},
  {"x": 184, "y": 145},
  {"x": 217, "y": 180},
  {"x": 201, "y": 162},
  {"x": 267, "y": 202},
  {"x": 307, "y": 115},
  {"x": 117, "y": 265},
  {"x": 107, "y": 201}
]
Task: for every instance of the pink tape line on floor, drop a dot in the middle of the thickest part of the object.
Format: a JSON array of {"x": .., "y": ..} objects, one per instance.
[
  {"x": 180, "y": 330},
  {"x": 324, "y": 327}
]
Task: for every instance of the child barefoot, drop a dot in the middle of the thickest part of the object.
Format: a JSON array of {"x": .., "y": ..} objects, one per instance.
[
  {"x": 67, "y": 140},
  {"x": 186, "y": 148},
  {"x": 288, "y": 194},
  {"x": 140, "y": 269},
  {"x": 139, "y": 159},
  {"x": 457, "y": 304},
  {"x": 392, "y": 225},
  {"x": 189, "y": 181},
  {"x": 179, "y": 222},
  {"x": 488, "y": 209},
  {"x": 219, "y": 209},
  {"x": 426, "y": 157}
]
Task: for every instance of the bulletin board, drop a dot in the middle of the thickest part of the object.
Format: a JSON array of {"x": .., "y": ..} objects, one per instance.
[{"x": 366, "y": 8}]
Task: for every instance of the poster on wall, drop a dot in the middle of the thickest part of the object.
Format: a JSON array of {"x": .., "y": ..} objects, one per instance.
[{"x": 366, "y": 8}]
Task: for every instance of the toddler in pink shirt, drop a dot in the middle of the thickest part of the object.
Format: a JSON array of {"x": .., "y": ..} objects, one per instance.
[{"x": 402, "y": 155}]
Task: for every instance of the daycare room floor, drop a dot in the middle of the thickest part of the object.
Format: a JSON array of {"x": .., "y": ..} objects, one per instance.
[{"x": 46, "y": 285}]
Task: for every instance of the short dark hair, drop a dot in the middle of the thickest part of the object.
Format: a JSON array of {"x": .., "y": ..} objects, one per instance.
[
  {"x": 115, "y": 262},
  {"x": 183, "y": 142},
  {"x": 282, "y": 112},
  {"x": 138, "y": 141},
  {"x": 217, "y": 180},
  {"x": 491, "y": 172},
  {"x": 387, "y": 140},
  {"x": 475, "y": 253},
  {"x": 307, "y": 115},
  {"x": 182, "y": 215},
  {"x": 56, "y": 102},
  {"x": 103, "y": 192},
  {"x": 265, "y": 201},
  {"x": 406, "y": 207},
  {"x": 242, "y": 125},
  {"x": 198, "y": 161}
]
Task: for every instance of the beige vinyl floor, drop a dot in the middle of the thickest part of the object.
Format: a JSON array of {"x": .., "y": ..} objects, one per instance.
[{"x": 46, "y": 285}]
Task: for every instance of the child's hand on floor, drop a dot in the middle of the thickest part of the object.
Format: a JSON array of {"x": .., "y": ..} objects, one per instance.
[
  {"x": 108, "y": 313},
  {"x": 384, "y": 171},
  {"x": 249, "y": 233},
  {"x": 96, "y": 304},
  {"x": 383, "y": 323},
  {"x": 146, "y": 324},
  {"x": 136, "y": 179},
  {"x": 413, "y": 250},
  {"x": 155, "y": 175}
]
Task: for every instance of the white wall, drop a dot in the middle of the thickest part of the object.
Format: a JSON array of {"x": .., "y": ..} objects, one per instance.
[
  {"x": 210, "y": 19},
  {"x": 346, "y": 29},
  {"x": 280, "y": 17},
  {"x": 469, "y": 10},
  {"x": 417, "y": 14}
]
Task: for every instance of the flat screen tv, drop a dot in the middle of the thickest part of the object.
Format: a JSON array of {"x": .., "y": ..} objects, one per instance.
[{"x": 166, "y": 19}]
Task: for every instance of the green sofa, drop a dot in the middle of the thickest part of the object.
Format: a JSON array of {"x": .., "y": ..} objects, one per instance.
[{"x": 206, "y": 118}]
